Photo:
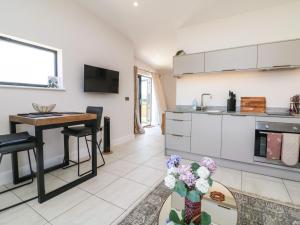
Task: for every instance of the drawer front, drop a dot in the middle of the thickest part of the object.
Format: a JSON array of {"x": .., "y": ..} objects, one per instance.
[
  {"x": 178, "y": 116},
  {"x": 278, "y": 119},
  {"x": 179, "y": 143},
  {"x": 179, "y": 127}
]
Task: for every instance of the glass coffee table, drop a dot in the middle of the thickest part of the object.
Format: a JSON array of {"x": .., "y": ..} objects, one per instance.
[{"x": 219, "y": 203}]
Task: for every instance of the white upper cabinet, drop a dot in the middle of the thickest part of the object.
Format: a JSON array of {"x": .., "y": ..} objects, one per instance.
[
  {"x": 188, "y": 64},
  {"x": 279, "y": 54},
  {"x": 242, "y": 58},
  {"x": 206, "y": 134}
]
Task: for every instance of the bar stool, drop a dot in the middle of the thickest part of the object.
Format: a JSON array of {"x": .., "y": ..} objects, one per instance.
[
  {"x": 12, "y": 143},
  {"x": 84, "y": 131}
]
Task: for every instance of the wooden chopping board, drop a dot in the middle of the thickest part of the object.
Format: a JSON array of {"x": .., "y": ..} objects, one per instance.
[{"x": 253, "y": 104}]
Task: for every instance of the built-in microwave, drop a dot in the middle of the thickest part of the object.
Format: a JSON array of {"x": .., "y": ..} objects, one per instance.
[{"x": 261, "y": 133}]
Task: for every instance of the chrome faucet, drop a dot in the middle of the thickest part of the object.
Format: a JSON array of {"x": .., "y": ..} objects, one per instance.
[{"x": 202, "y": 107}]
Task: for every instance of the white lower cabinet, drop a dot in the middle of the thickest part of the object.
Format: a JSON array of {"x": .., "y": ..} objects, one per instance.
[
  {"x": 238, "y": 137},
  {"x": 179, "y": 127},
  {"x": 206, "y": 134},
  {"x": 178, "y": 142}
]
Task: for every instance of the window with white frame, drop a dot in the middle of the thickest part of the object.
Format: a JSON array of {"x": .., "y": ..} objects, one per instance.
[{"x": 26, "y": 64}]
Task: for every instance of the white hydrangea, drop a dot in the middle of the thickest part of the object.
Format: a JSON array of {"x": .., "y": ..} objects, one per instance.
[
  {"x": 203, "y": 172},
  {"x": 170, "y": 181},
  {"x": 169, "y": 223},
  {"x": 202, "y": 185},
  {"x": 172, "y": 170}
]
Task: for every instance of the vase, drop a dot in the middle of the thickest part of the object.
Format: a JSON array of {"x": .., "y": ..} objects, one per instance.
[{"x": 192, "y": 211}]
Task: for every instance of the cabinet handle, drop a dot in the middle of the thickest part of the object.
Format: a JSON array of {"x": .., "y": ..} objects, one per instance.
[
  {"x": 178, "y": 120},
  {"x": 224, "y": 207},
  {"x": 177, "y": 135},
  {"x": 177, "y": 112},
  {"x": 228, "y": 70},
  {"x": 282, "y": 66},
  {"x": 238, "y": 115}
]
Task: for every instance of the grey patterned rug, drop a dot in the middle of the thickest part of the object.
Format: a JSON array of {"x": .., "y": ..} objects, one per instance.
[{"x": 252, "y": 210}]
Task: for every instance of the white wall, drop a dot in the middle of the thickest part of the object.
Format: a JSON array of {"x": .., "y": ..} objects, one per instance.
[
  {"x": 268, "y": 25},
  {"x": 84, "y": 39}
]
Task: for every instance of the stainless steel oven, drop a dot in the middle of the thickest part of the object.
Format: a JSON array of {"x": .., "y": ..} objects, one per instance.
[{"x": 261, "y": 132}]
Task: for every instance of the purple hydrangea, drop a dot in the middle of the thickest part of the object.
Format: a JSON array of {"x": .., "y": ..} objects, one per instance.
[
  {"x": 186, "y": 175},
  {"x": 173, "y": 161},
  {"x": 209, "y": 164}
]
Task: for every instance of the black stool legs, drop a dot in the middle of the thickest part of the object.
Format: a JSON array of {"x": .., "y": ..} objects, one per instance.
[
  {"x": 31, "y": 173},
  {"x": 78, "y": 157},
  {"x": 27, "y": 183}
]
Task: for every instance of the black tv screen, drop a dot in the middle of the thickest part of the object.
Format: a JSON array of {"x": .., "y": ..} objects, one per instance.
[{"x": 100, "y": 80}]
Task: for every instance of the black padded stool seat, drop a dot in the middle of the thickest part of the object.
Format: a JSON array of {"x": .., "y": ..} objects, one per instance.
[
  {"x": 13, "y": 143},
  {"x": 10, "y": 139},
  {"x": 80, "y": 131},
  {"x": 17, "y": 147}
]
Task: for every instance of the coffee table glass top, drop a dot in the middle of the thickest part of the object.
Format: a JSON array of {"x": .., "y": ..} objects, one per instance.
[{"x": 222, "y": 212}]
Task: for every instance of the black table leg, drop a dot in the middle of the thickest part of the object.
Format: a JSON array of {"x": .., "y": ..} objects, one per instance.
[
  {"x": 40, "y": 164},
  {"x": 66, "y": 150},
  {"x": 94, "y": 150},
  {"x": 14, "y": 157}
]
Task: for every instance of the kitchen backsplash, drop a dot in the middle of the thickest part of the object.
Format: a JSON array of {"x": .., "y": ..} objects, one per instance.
[{"x": 277, "y": 86}]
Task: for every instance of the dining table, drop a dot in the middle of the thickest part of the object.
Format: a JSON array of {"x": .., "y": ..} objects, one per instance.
[{"x": 46, "y": 121}]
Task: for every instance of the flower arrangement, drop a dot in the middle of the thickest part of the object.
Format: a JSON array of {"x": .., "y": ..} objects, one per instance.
[{"x": 191, "y": 182}]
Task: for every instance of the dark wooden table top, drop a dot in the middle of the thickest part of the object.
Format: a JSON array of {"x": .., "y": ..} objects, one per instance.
[{"x": 49, "y": 120}]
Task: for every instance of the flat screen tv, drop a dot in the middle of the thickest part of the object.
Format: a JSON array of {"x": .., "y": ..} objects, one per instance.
[{"x": 100, "y": 80}]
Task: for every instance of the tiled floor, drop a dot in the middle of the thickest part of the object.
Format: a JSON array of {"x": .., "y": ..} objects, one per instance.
[{"x": 131, "y": 172}]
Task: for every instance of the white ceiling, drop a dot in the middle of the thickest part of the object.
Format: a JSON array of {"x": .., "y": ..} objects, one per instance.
[{"x": 153, "y": 25}]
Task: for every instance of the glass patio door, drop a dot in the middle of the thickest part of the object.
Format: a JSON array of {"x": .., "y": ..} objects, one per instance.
[{"x": 145, "y": 95}]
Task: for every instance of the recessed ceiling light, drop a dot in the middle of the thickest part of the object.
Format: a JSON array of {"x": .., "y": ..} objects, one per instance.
[{"x": 135, "y": 4}]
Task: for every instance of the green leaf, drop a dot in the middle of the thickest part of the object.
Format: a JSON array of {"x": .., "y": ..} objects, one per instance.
[
  {"x": 182, "y": 215},
  {"x": 180, "y": 188},
  {"x": 205, "y": 218},
  {"x": 195, "y": 166},
  {"x": 192, "y": 224},
  {"x": 210, "y": 181},
  {"x": 174, "y": 217},
  {"x": 193, "y": 196}
]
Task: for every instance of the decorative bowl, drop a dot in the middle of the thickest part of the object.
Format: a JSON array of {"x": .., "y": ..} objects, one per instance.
[{"x": 43, "y": 108}]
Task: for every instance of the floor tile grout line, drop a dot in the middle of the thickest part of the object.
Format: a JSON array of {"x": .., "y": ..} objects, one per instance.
[
  {"x": 286, "y": 189},
  {"x": 71, "y": 208},
  {"x": 38, "y": 213},
  {"x": 105, "y": 186},
  {"x": 139, "y": 182},
  {"x": 109, "y": 202},
  {"x": 26, "y": 204},
  {"x": 134, "y": 204}
]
